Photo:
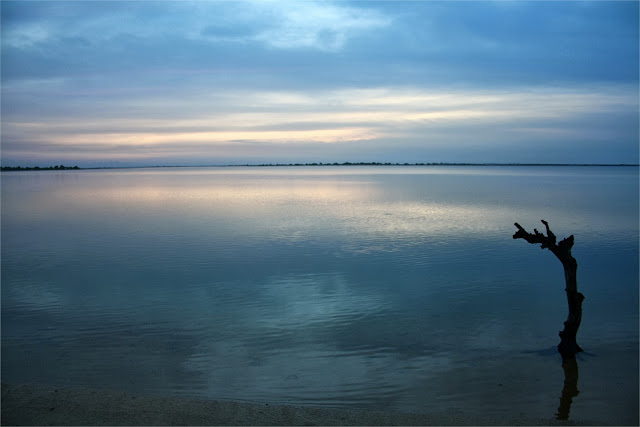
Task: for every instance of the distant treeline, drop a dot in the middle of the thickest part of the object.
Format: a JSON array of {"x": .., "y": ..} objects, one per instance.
[
  {"x": 62, "y": 167},
  {"x": 433, "y": 164},
  {"x": 38, "y": 168},
  {"x": 344, "y": 164}
]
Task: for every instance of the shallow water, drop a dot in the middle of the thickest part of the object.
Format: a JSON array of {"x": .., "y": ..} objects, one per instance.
[{"x": 394, "y": 288}]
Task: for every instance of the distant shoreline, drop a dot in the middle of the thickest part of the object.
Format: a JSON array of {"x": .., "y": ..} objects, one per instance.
[
  {"x": 319, "y": 164},
  {"x": 39, "y": 168}
]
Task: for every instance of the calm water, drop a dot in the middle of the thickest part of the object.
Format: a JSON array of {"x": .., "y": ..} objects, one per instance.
[{"x": 394, "y": 288}]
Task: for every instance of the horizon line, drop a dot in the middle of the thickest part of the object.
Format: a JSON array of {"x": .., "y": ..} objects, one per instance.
[{"x": 312, "y": 164}]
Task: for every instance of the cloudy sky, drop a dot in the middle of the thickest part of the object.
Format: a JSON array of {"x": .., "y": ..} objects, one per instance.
[{"x": 122, "y": 83}]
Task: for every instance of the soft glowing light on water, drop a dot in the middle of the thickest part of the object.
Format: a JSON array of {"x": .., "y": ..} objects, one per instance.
[{"x": 393, "y": 287}]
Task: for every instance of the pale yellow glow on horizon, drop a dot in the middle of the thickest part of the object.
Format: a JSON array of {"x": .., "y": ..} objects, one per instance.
[
  {"x": 291, "y": 117},
  {"x": 284, "y": 136}
]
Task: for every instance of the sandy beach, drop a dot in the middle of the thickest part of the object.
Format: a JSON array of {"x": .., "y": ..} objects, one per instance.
[{"x": 41, "y": 405}]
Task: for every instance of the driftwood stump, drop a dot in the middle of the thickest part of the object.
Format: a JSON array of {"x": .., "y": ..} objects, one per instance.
[{"x": 568, "y": 346}]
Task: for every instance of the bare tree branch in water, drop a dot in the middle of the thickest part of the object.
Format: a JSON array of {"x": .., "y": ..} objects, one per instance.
[{"x": 568, "y": 346}]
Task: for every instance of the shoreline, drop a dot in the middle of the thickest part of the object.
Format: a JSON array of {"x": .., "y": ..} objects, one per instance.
[
  {"x": 46, "y": 405},
  {"x": 320, "y": 164}
]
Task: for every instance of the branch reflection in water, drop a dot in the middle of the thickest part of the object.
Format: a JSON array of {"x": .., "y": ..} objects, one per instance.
[{"x": 570, "y": 389}]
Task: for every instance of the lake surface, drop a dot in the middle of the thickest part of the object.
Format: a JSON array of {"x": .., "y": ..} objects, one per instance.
[{"x": 386, "y": 288}]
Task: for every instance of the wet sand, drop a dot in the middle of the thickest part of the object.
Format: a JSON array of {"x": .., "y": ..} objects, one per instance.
[{"x": 40, "y": 405}]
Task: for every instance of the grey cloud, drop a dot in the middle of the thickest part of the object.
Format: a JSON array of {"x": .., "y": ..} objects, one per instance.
[
  {"x": 148, "y": 60},
  {"x": 497, "y": 44},
  {"x": 230, "y": 32},
  {"x": 437, "y": 43}
]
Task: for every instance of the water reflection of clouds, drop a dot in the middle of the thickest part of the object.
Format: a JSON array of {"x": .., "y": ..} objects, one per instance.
[
  {"x": 275, "y": 191},
  {"x": 315, "y": 374},
  {"x": 309, "y": 315},
  {"x": 356, "y": 206},
  {"x": 302, "y": 301},
  {"x": 341, "y": 202},
  {"x": 34, "y": 295}
]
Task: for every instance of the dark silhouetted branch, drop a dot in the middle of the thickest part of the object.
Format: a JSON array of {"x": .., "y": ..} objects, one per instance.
[{"x": 568, "y": 346}]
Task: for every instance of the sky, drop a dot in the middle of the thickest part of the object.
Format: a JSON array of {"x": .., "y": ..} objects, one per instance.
[{"x": 141, "y": 83}]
